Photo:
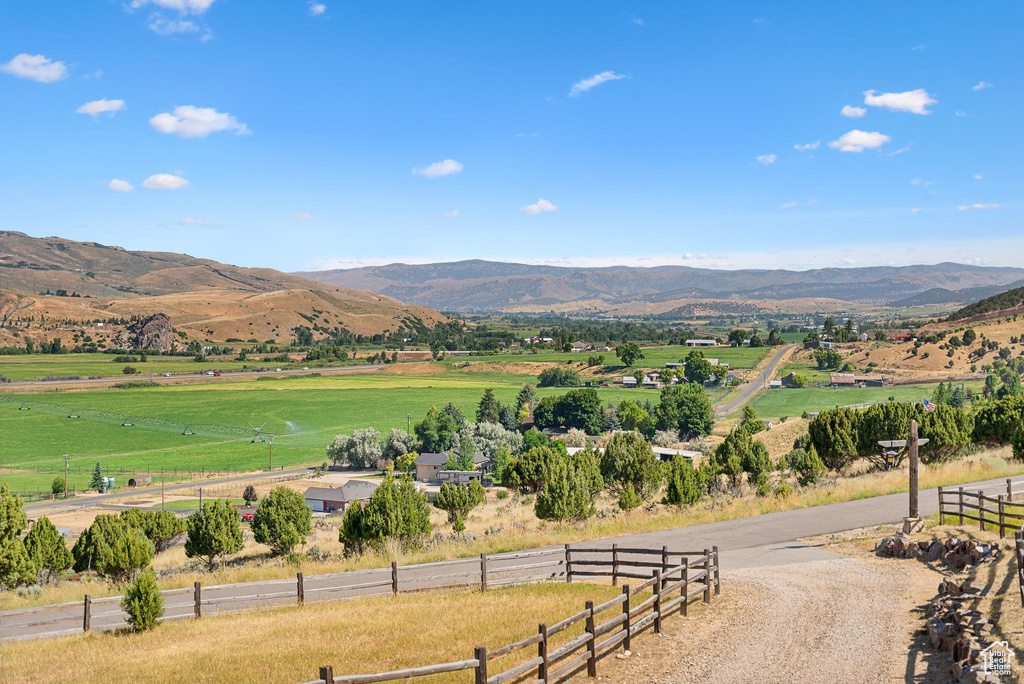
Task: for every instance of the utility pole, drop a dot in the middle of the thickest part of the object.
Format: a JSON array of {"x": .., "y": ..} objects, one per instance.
[
  {"x": 162, "y": 492},
  {"x": 271, "y": 443},
  {"x": 913, "y": 469},
  {"x": 65, "y": 476},
  {"x": 408, "y": 423}
]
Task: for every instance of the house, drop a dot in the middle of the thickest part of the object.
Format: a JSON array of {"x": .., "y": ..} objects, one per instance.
[
  {"x": 428, "y": 465},
  {"x": 825, "y": 344},
  {"x": 667, "y": 454},
  {"x": 650, "y": 383},
  {"x": 459, "y": 476},
  {"x": 675, "y": 365},
  {"x": 555, "y": 431},
  {"x": 330, "y": 499},
  {"x": 654, "y": 376},
  {"x": 605, "y": 349},
  {"x": 843, "y": 379},
  {"x": 863, "y": 337},
  {"x": 812, "y": 344},
  {"x": 900, "y": 338},
  {"x": 731, "y": 377},
  {"x": 714, "y": 362},
  {"x": 700, "y": 343},
  {"x": 772, "y": 384},
  {"x": 789, "y": 380},
  {"x": 579, "y": 346},
  {"x": 629, "y": 381}
]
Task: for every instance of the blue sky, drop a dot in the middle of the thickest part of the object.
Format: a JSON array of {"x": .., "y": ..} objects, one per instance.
[{"x": 302, "y": 135}]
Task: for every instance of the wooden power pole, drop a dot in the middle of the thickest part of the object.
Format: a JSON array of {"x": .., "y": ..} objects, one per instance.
[
  {"x": 65, "y": 476},
  {"x": 912, "y": 446}
]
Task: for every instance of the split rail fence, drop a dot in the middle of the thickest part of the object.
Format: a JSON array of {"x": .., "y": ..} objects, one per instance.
[
  {"x": 999, "y": 512},
  {"x": 671, "y": 577},
  {"x": 558, "y": 563}
]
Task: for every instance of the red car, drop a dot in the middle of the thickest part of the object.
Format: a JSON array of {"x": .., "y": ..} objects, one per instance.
[
  {"x": 247, "y": 517},
  {"x": 216, "y": 375}
]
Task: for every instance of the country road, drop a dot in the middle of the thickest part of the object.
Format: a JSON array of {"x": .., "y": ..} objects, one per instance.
[
  {"x": 751, "y": 388},
  {"x": 162, "y": 379},
  {"x": 758, "y": 541}
]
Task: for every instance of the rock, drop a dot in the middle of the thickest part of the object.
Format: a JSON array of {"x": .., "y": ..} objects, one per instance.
[
  {"x": 935, "y": 551},
  {"x": 939, "y": 632},
  {"x": 884, "y": 545},
  {"x": 152, "y": 332}
]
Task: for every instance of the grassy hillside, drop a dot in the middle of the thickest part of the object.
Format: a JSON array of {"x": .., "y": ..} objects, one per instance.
[{"x": 1011, "y": 299}]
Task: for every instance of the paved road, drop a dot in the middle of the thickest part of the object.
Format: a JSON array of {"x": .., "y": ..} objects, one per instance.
[
  {"x": 771, "y": 539},
  {"x": 754, "y": 386},
  {"x": 65, "y": 505},
  {"x": 175, "y": 377}
]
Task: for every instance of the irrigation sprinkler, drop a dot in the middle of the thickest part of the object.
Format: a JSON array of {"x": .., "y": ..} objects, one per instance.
[
  {"x": 24, "y": 406},
  {"x": 127, "y": 422},
  {"x": 188, "y": 430},
  {"x": 258, "y": 436},
  {"x": 74, "y": 414}
]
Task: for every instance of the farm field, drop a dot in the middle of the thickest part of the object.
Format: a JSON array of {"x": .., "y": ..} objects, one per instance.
[
  {"x": 654, "y": 357},
  {"x": 778, "y": 403},
  {"x": 37, "y": 366}
]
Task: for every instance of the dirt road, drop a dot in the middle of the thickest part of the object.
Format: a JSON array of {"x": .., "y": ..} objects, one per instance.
[{"x": 749, "y": 389}]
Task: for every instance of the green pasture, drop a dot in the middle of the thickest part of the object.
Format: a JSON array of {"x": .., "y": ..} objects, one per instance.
[
  {"x": 654, "y": 357},
  {"x": 789, "y": 402},
  {"x": 35, "y": 366}
]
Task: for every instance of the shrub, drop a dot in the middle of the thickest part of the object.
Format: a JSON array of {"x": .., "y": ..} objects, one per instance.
[
  {"x": 395, "y": 511},
  {"x": 143, "y": 602},
  {"x": 283, "y": 520},
  {"x": 57, "y": 486},
  {"x": 45, "y": 547},
  {"x": 130, "y": 552},
  {"x": 16, "y": 567},
  {"x": 575, "y": 438},
  {"x": 249, "y": 495},
  {"x": 213, "y": 533},
  {"x": 566, "y": 494},
  {"x": 162, "y": 528},
  {"x": 763, "y": 486},
  {"x": 629, "y": 461},
  {"x": 756, "y": 460},
  {"x": 361, "y": 449},
  {"x": 684, "y": 487},
  {"x": 628, "y": 498},
  {"x": 807, "y": 466},
  {"x": 527, "y": 472},
  {"x": 558, "y": 377},
  {"x": 1017, "y": 442},
  {"x": 458, "y": 500}
]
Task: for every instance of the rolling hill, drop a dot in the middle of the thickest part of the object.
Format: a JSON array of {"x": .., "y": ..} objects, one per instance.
[
  {"x": 205, "y": 299},
  {"x": 477, "y": 285},
  {"x": 1010, "y": 301}
]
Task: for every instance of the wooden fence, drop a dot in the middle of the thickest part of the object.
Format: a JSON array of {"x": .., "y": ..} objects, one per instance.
[
  {"x": 672, "y": 577},
  {"x": 1018, "y": 538},
  {"x": 998, "y": 512}
]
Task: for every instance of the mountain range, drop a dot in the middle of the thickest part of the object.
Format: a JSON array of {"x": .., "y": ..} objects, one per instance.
[{"x": 477, "y": 285}]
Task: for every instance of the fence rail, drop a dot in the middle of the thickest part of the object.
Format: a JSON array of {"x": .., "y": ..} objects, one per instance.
[
  {"x": 483, "y": 571},
  {"x": 999, "y": 512},
  {"x": 691, "y": 574}
]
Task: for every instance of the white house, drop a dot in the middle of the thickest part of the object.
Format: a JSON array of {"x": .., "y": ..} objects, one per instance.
[{"x": 700, "y": 343}]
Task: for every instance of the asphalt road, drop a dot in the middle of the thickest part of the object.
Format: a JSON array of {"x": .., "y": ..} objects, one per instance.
[
  {"x": 771, "y": 539},
  {"x": 161, "y": 379},
  {"x": 751, "y": 388}
]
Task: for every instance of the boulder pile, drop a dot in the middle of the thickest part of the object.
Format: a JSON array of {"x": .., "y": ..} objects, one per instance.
[
  {"x": 961, "y": 631},
  {"x": 957, "y": 553}
]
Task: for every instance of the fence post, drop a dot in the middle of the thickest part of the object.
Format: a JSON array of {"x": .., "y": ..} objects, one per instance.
[
  {"x": 615, "y": 565},
  {"x": 327, "y": 674},
  {"x": 718, "y": 571},
  {"x": 686, "y": 584},
  {"x": 960, "y": 505},
  {"x": 198, "y": 592},
  {"x": 1009, "y": 489},
  {"x": 657, "y": 601},
  {"x": 483, "y": 572},
  {"x": 568, "y": 564},
  {"x": 1001, "y": 516},
  {"x": 942, "y": 519},
  {"x": 300, "y": 588},
  {"x": 592, "y": 645},
  {"x": 394, "y": 578},
  {"x": 481, "y": 664},
  {"x": 542, "y": 652},
  {"x": 981, "y": 511},
  {"x": 664, "y": 562},
  {"x": 625, "y": 611},
  {"x": 707, "y": 576},
  {"x": 87, "y": 615}
]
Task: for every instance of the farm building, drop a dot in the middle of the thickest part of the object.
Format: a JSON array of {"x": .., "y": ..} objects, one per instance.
[
  {"x": 629, "y": 381},
  {"x": 701, "y": 343},
  {"x": 843, "y": 379},
  {"x": 772, "y": 384},
  {"x": 789, "y": 380},
  {"x": 429, "y": 465},
  {"x": 667, "y": 454},
  {"x": 139, "y": 480},
  {"x": 671, "y": 364},
  {"x": 459, "y": 476},
  {"x": 330, "y": 499},
  {"x": 580, "y": 346}
]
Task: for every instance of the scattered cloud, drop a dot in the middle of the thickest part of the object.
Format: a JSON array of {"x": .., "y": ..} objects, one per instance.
[
  {"x": 637, "y": 21},
  {"x": 196, "y": 222},
  {"x": 853, "y": 112},
  {"x": 317, "y": 8},
  {"x": 593, "y": 81},
  {"x": 539, "y": 207},
  {"x": 766, "y": 159},
  {"x": 451, "y": 214},
  {"x": 118, "y": 185},
  {"x": 916, "y": 210},
  {"x": 197, "y": 122},
  {"x": 303, "y": 215},
  {"x": 912, "y": 101},
  {"x": 920, "y": 181},
  {"x": 858, "y": 141},
  {"x": 98, "y": 74},
  {"x": 35, "y": 68},
  {"x": 961, "y": 113},
  {"x": 905, "y": 148},
  {"x": 811, "y": 202},
  {"x": 97, "y": 107},
  {"x": 171, "y": 27},
  {"x": 788, "y": 205},
  {"x": 982, "y": 85},
  {"x": 917, "y": 48},
  {"x": 527, "y": 135},
  {"x": 807, "y": 146},
  {"x": 845, "y": 262},
  {"x": 967, "y": 207},
  {"x": 165, "y": 181},
  {"x": 182, "y": 6},
  {"x": 446, "y": 167},
  {"x": 978, "y": 176}
]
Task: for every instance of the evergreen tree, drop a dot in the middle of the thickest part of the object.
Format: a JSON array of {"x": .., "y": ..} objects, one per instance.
[
  {"x": 97, "y": 482},
  {"x": 16, "y": 567},
  {"x": 487, "y": 411},
  {"x": 46, "y": 548},
  {"x": 629, "y": 461},
  {"x": 12, "y": 517},
  {"x": 143, "y": 602},
  {"x": 283, "y": 520},
  {"x": 683, "y": 485},
  {"x": 566, "y": 494},
  {"x": 457, "y": 500},
  {"x": 213, "y": 533},
  {"x": 628, "y": 498},
  {"x": 526, "y": 398}
]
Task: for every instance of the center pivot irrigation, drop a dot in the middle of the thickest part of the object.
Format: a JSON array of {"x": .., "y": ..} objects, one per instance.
[{"x": 253, "y": 433}]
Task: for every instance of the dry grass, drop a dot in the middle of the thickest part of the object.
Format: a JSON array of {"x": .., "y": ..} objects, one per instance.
[
  {"x": 508, "y": 525},
  {"x": 289, "y": 645}
]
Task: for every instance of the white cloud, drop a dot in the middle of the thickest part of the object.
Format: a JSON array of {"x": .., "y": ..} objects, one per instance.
[
  {"x": 196, "y": 222},
  {"x": 35, "y": 68},
  {"x": 807, "y": 146},
  {"x": 853, "y": 112},
  {"x": 961, "y": 113},
  {"x": 446, "y": 167},
  {"x": 967, "y": 207},
  {"x": 905, "y": 148},
  {"x": 197, "y": 122},
  {"x": 637, "y": 21},
  {"x": 921, "y": 181},
  {"x": 317, "y": 8},
  {"x": 858, "y": 141},
  {"x": 978, "y": 176},
  {"x": 982, "y": 85},
  {"x": 845, "y": 262},
  {"x": 788, "y": 205},
  {"x": 527, "y": 135},
  {"x": 539, "y": 207},
  {"x": 118, "y": 185},
  {"x": 765, "y": 159},
  {"x": 811, "y": 202},
  {"x": 165, "y": 181},
  {"x": 97, "y": 107},
  {"x": 302, "y": 215},
  {"x": 916, "y": 210},
  {"x": 183, "y": 6},
  {"x": 451, "y": 214},
  {"x": 96, "y": 74},
  {"x": 170, "y": 27},
  {"x": 913, "y": 101},
  {"x": 593, "y": 81}
]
